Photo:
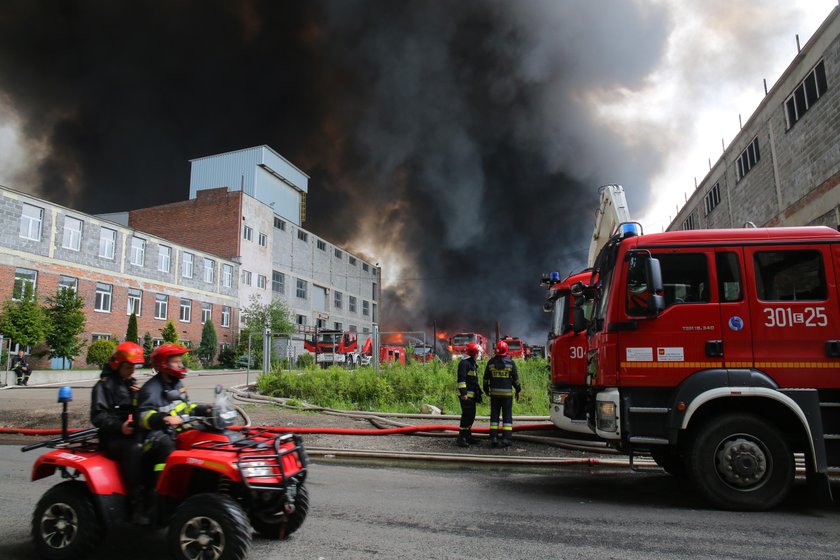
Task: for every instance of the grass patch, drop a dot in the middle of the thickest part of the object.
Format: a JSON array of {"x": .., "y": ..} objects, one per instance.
[{"x": 400, "y": 388}]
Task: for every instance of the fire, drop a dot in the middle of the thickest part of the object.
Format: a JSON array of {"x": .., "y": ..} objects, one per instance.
[{"x": 443, "y": 335}]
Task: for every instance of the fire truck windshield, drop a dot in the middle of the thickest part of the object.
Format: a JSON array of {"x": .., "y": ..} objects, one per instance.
[
  {"x": 514, "y": 345},
  {"x": 605, "y": 266},
  {"x": 463, "y": 340},
  {"x": 329, "y": 338},
  {"x": 558, "y": 316}
]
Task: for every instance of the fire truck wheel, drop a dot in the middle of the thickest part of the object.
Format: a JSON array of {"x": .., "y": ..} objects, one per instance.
[
  {"x": 672, "y": 463},
  {"x": 348, "y": 362},
  {"x": 741, "y": 462},
  {"x": 209, "y": 526},
  {"x": 65, "y": 524},
  {"x": 274, "y": 529}
]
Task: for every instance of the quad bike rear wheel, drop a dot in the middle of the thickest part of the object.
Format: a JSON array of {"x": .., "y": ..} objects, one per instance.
[
  {"x": 209, "y": 527},
  {"x": 65, "y": 525}
]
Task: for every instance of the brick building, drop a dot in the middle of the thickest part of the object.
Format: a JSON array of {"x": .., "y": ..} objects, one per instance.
[
  {"x": 117, "y": 270},
  {"x": 247, "y": 206},
  {"x": 783, "y": 168}
]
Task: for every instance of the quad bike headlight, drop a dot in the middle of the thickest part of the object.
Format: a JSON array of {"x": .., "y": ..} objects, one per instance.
[{"x": 255, "y": 469}]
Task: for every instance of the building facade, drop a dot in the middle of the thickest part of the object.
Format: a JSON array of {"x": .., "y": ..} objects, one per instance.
[
  {"x": 256, "y": 223},
  {"x": 783, "y": 168},
  {"x": 117, "y": 270}
]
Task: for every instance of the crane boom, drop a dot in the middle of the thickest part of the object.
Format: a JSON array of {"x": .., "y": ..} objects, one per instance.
[{"x": 612, "y": 210}]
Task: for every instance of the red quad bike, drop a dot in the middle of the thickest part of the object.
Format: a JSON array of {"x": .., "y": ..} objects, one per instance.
[{"x": 215, "y": 487}]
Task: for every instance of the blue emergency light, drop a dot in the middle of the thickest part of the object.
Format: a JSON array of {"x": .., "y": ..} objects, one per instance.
[
  {"x": 554, "y": 276},
  {"x": 630, "y": 230},
  {"x": 65, "y": 394}
]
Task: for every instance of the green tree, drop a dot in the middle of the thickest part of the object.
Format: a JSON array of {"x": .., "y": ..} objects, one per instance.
[
  {"x": 66, "y": 317},
  {"x": 209, "y": 344},
  {"x": 131, "y": 331},
  {"x": 148, "y": 347},
  {"x": 169, "y": 333},
  {"x": 24, "y": 321},
  {"x": 100, "y": 352},
  {"x": 257, "y": 316}
]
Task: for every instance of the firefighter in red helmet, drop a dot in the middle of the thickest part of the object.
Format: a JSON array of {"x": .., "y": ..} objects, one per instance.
[
  {"x": 469, "y": 394},
  {"x": 501, "y": 379},
  {"x": 112, "y": 405},
  {"x": 163, "y": 402}
]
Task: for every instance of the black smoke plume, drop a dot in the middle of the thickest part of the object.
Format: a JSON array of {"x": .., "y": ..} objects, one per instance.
[{"x": 453, "y": 142}]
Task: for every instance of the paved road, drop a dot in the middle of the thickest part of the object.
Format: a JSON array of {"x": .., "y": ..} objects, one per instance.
[{"x": 363, "y": 512}]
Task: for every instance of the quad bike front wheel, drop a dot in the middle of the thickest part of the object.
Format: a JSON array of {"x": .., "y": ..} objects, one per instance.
[
  {"x": 281, "y": 526},
  {"x": 65, "y": 525},
  {"x": 209, "y": 527}
]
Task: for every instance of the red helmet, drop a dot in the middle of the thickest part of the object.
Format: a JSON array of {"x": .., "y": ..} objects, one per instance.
[
  {"x": 501, "y": 348},
  {"x": 472, "y": 349},
  {"x": 160, "y": 359},
  {"x": 126, "y": 352}
]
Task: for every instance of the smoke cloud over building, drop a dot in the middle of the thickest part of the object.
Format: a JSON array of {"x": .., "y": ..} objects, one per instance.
[{"x": 455, "y": 143}]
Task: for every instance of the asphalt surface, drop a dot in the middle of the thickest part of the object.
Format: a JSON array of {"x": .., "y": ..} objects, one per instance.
[{"x": 363, "y": 511}]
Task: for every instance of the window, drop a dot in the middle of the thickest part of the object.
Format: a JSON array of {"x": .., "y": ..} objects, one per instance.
[
  {"x": 138, "y": 251},
  {"x": 247, "y": 233},
  {"x": 25, "y": 281},
  {"x": 690, "y": 222},
  {"x": 135, "y": 301},
  {"x": 729, "y": 277},
  {"x": 337, "y": 326},
  {"x": 353, "y": 328},
  {"x": 373, "y": 315},
  {"x": 303, "y": 236},
  {"x": 209, "y": 269},
  {"x": 301, "y": 288},
  {"x": 352, "y": 260},
  {"x": 263, "y": 240},
  {"x": 227, "y": 275},
  {"x": 747, "y": 160},
  {"x": 338, "y": 253},
  {"x": 321, "y": 245},
  {"x": 31, "y": 218},
  {"x": 790, "y": 276},
  {"x": 712, "y": 199},
  {"x": 225, "y": 316},
  {"x": 373, "y": 291},
  {"x": 187, "y": 265},
  {"x": 107, "y": 243},
  {"x": 321, "y": 323},
  {"x": 206, "y": 312},
  {"x": 161, "y": 306},
  {"x": 246, "y": 277},
  {"x": 300, "y": 320},
  {"x": 95, "y": 336},
  {"x": 365, "y": 307},
  {"x": 365, "y": 267},
  {"x": 279, "y": 224},
  {"x": 684, "y": 280},
  {"x": 103, "y": 297},
  {"x": 164, "y": 258},
  {"x": 68, "y": 283},
  {"x": 186, "y": 310},
  {"x": 261, "y": 281},
  {"x": 72, "y": 234},
  {"x": 337, "y": 299},
  {"x": 806, "y": 94},
  {"x": 352, "y": 307},
  {"x": 278, "y": 282}
]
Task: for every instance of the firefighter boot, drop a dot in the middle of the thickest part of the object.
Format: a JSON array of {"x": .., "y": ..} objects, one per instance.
[
  {"x": 494, "y": 441},
  {"x": 471, "y": 440},
  {"x": 462, "y": 442}
]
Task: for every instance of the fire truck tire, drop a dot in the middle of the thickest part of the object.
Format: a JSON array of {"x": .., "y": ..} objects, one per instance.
[
  {"x": 348, "y": 362},
  {"x": 65, "y": 524},
  {"x": 209, "y": 525},
  {"x": 741, "y": 462},
  {"x": 270, "y": 529},
  {"x": 672, "y": 463}
]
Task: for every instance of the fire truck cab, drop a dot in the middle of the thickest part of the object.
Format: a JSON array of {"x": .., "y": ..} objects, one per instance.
[
  {"x": 516, "y": 346},
  {"x": 333, "y": 347},
  {"x": 458, "y": 345},
  {"x": 718, "y": 351}
]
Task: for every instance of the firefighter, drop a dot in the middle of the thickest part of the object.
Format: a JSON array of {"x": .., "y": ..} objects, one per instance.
[
  {"x": 21, "y": 368},
  {"x": 112, "y": 405},
  {"x": 469, "y": 393},
  {"x": 162, "y": 403},
  {"x": 501, "y": 379}
]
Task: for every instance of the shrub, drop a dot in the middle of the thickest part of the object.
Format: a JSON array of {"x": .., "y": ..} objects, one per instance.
[
  {"x": 100, "y": 352},
  {"x": 227, "y": 357},
  {"x": 305, "y": 361}
]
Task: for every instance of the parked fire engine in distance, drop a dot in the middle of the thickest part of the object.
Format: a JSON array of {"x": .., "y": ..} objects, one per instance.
[
  {"x": 423, "y": 353},
  {"x": 390, "y": 354},
  {"x": 567, "y": 352},
  {"x": 516, "y": 346},
  {"x": 458, "y": 345},
  {"x": 336, "y": 348},
  {"x": 718, "y": 352}
]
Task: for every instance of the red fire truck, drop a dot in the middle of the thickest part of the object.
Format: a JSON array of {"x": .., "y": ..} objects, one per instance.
[
  {"x": 516, "y": 346},
  {"x": 718, "y": 351},
  {"x": 458, "y": 345},
  {"x": 335, "y": 348}
]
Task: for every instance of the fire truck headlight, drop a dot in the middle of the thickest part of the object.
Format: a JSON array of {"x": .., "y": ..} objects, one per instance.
[
  {"x": 606, "y": 416},
  {"x": 559, "y": 398}
]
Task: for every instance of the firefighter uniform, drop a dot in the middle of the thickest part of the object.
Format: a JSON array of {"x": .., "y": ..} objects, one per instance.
[
  {"x": 470, "y": 394},
  {"x": 501, "y": 379},
  {"x": 161, "y": 397}
]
